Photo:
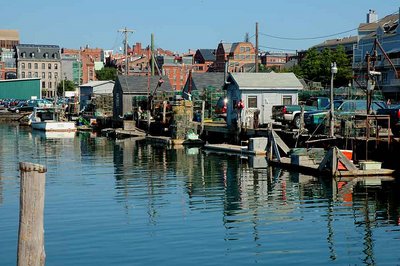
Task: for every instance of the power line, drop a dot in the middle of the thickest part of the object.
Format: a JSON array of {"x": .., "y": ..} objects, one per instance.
[
  {"x": 320, "y": 37},
  {"x": 274, "y": 48}
]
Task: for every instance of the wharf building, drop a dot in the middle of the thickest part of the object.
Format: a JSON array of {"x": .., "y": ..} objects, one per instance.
[
  {"x": 387, "y": 32},
  {"x": 40, "y": 61}
]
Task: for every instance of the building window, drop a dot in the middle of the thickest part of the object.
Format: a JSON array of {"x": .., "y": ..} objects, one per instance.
[
  {"x": 55, "y": 74},
  {"x": 49, "y": 84},
  {"x": 49, "y": 66},
  {"x": 29, "y": 74},
  {"x": 23, "y": 75},
  {"x": 287, "y": 100},
  {"x": 29, "y": 65},
  {"x": 33, "y": 55},
  {"x": 43, "y": 75},
  {"x": 55, "y": 66},
  {"x": 43, "y": 84},
  {"x": 49, "y": 75},
  {"x": 36, "y": 75},
  {"x": 36, "y": 66},
  {"x": 43, "y": 66},
  {"x": 252, "y": 101},
  {"x": 22, "y": 65}
]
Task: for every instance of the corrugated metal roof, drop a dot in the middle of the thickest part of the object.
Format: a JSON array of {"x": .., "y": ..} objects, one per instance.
[{"x": 266, "y": 80}]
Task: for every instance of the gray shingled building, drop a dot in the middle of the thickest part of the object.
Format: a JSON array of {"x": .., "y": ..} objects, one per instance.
[{"x": 129, "y": 88}]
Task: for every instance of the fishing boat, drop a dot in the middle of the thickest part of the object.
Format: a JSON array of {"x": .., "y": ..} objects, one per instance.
[{"x": 51, "y": 119}]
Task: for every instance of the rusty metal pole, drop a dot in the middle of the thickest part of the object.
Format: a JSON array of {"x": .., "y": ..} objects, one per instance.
[{"x": 31, "y": 232}]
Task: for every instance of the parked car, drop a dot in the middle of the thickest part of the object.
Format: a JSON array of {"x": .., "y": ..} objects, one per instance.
[
  {"x": 28, "y": 106},
  {"x": 290, "y": 114},
  {"x": 346, "y": 110}
]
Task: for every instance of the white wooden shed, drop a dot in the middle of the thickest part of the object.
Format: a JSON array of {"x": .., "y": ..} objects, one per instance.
[{"x": 259, "y": 92}]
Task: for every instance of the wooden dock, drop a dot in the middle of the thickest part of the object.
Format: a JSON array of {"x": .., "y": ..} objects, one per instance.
[{"x": 228, "y": 148}]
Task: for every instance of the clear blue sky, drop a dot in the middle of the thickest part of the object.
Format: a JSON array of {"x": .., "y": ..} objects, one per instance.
[{"x": 179, "y": 25}]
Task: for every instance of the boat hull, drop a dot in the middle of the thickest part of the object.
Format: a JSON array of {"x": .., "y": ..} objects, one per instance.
[{"x": 54, "y": 126}]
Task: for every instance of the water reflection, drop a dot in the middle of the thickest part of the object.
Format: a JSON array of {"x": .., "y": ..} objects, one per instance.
[
  {"x": 231, "y": 208},
  {"x": 257, "y": 198}
]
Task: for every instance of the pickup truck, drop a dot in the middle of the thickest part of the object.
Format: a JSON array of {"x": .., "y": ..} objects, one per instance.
[
  {"x": 394, "y": 112},
  {"x": 290, "y": 114}
]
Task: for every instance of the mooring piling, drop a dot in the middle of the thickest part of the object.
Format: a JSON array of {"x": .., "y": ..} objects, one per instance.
[{"x": 31, "y": 231}]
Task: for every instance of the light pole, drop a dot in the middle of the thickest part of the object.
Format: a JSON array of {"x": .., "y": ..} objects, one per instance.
[{"x": 331, "y": 115}]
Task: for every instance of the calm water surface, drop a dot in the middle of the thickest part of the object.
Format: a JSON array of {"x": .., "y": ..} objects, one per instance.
[{"x": 128, "y": 203}]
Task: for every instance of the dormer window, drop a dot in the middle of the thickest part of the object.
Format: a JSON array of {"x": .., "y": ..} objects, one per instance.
[
  {"x": 33, "y": 55},
  {"x": 54, "y": 55},
  {"x": 46, "y": 55},
  {"x": 23, "y": 54}
]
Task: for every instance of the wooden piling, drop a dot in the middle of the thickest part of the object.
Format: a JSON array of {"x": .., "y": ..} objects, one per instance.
[
  {"x": 31, "y": 233},
  {"x": 203, "y": 109}
]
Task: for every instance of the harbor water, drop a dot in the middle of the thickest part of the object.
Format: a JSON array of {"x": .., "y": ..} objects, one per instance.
[{"x": 126, "y": 202}]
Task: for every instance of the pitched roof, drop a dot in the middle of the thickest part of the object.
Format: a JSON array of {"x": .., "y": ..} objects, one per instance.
[
  {"x": 339, "y": 41},
  {"x": 267, "y": 80},
  {"x": 96, "y": 83},
  {"x": 208, "y": 79},
  {"x": 208, "y": 54},
  {"x": 39, "y": 51},
  {"x": 139, "y": 84},
  {"x": 227, "y": 47},
  {"x": 374, "y": 25}
]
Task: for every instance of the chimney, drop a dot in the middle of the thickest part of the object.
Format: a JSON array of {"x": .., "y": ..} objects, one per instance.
[{"x": 372, "y": 17}]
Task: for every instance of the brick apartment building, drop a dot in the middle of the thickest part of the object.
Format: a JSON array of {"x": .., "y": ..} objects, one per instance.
[
  {"x": 239, "y": 56},
  {"x": 88, "y": 58},
  {"x": 204, "y": 60}
]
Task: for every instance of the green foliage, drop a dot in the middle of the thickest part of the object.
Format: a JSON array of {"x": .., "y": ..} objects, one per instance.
[
  {"x": 65, "y": 85},
  {"x": 316, "y": 66},
  {"x": 107, "y": 73}
]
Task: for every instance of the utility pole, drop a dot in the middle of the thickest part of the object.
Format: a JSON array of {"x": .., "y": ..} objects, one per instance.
[
  {"x": 256, "y": 57},
  {"x": 152, "y": 54},
  {"x": 125, "y": 31}
]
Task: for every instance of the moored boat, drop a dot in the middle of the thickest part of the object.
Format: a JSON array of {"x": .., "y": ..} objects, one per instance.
[{"x": 51, "y": 119}]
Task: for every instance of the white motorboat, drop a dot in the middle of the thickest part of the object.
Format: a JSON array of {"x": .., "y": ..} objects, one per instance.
[{"x": 50, "y": 119}]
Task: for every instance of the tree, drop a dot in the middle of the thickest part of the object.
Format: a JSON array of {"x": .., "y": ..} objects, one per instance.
[
  {"x": 65, "y": 85},
  {"x": 316, "y": 66},
  {"x": 107, "y": 73}
]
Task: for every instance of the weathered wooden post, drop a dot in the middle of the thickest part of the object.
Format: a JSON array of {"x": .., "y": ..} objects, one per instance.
[
  {"x": 203, "y": 109},
  {"x": 31, "y": 232},
  {"x": 164, "y": 111}
]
